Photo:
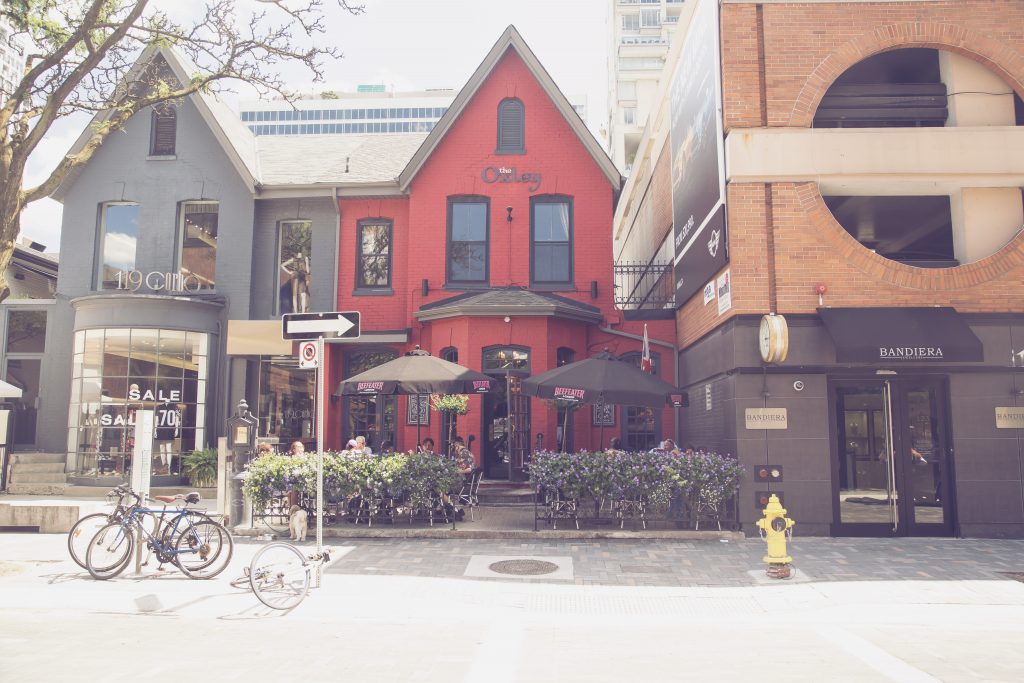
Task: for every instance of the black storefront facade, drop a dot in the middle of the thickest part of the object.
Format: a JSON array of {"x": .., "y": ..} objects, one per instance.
[{"x": 879, "y": 422}]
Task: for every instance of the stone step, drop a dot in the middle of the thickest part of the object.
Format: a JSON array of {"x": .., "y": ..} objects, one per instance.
[
  {"x": 20, "y": 477},
  {"x": 505, "y": 496},
  {"x": 38, "y": 458},
  {"x": 34, "y": 489},
  {"x": 208, "y": 495},
  {"x": 39, "y": 467}
]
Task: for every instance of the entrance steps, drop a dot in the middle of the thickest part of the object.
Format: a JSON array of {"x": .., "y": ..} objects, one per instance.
[
  {"x": 39, "y": 474},
  {"x": 503, "y": 494}
]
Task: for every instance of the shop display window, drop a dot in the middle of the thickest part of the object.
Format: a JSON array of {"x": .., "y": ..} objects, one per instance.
[{"x": 118, "y": 372}]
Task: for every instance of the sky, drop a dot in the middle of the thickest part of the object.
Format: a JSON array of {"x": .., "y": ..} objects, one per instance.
[{"x": 410, "y": 45}]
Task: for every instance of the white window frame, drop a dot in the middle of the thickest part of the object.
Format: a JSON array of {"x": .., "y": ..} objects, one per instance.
[
  {"x": 101, "y": 242},
  {"x": 181, "y": 234},
  {"x": 634, "y": 16}
]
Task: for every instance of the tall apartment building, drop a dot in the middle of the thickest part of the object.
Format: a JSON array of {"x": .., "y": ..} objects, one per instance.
[
  {"x": 12, "y": 59},
  {"x": 641, "y": 33},
  {"x": 372, "y": 109}
]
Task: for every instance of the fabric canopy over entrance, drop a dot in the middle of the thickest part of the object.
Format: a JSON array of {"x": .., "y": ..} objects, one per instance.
[
  {"x": 602, "y": 379},
  {"x": 886, "y": 335},
  {"x": 417, "y": 372}
]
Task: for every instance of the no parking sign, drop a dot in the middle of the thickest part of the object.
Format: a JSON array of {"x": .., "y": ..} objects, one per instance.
[{"x": 308, "y": 357}]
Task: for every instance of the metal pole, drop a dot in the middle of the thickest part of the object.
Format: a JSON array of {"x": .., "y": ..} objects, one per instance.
[
  {"x": 508, "y": 421},
  {"x": 319, "y": 454}
]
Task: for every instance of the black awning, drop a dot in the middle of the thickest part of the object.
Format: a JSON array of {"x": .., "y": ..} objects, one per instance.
[{"x": 888, "y": 335}]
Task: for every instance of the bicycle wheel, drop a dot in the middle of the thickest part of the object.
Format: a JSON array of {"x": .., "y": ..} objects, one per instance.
[
  {"x": 279, "y": 575},
  {"x": 82, "y": 533},
  {"x": 203, "y": 550},
  {"x": 170, "y": 530},
  {"x": 110, "y": 550}
]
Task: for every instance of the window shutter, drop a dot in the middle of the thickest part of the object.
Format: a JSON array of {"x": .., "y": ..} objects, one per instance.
[
  {"x": 164, "y": 131},
  {"x": 510, "y": 126}
]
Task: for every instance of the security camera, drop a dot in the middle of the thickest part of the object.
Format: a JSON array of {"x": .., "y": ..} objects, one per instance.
[{"x": 798, "y": 385}]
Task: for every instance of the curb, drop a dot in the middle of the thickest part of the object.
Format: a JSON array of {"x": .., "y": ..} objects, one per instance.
[{"x": 512, "y": 534}]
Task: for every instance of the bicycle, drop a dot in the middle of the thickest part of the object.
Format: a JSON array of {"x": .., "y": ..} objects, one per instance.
[
  {"x": 189, "y": 533},
  {"x": 85, "y": 529},
  {"x": 279, "y": 574}
]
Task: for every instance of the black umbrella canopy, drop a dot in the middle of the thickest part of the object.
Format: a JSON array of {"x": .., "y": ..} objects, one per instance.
[
  {"x": 603, "y": 379},
  {"x": 417, "y": 372}
]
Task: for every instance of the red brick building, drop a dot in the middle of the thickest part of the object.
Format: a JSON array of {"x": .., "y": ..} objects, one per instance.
[
  {"x": 872, "y": 173},
  {"x": 488, "y": 244}
]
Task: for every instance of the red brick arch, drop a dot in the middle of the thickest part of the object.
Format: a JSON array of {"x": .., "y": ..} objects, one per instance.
[
  {"x": 998, "y": 56},
  {"x": 832, "y": 234}
]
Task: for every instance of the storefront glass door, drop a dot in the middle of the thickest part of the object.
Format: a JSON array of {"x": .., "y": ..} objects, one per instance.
[{"x": 892, "y": 474}]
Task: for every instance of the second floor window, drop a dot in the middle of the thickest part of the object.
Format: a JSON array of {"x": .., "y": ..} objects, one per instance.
[
  {"x": 467, "y": 239},
  {"x": 294, "y": 279},
  {"x": 511, "y": 127},
  {"x": 163, "y": 130},
  {"x": 374, "y": 268},
  {"x": 118, "y": 241},
  {"x": 551, "y": 240},
  {"x": 198, "y": 231}
]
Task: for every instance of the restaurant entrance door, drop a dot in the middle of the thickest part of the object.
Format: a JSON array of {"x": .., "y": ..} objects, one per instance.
[{"x": 892, "y": 464}]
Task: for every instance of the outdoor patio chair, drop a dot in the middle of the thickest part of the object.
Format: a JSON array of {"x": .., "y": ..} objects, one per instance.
[{"x": 469, "y": 495}]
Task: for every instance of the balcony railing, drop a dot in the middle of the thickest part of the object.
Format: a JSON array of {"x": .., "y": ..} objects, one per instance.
[
  {"x": 644, "y": 285},
  {"x": 670, "y": 19}
]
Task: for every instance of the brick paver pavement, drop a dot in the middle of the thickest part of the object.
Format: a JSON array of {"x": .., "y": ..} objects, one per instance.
[{"x": 700, "y": 563}]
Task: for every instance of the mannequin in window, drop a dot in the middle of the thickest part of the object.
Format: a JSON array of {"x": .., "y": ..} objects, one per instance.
[
  {"x": 166, "y": 429},
  {"x": 297, "y": 269}
]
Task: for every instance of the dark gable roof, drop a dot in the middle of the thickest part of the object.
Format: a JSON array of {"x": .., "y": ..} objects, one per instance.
[
  {"x": 511, "y": 301},
  {"x": 511, "y": 40}
]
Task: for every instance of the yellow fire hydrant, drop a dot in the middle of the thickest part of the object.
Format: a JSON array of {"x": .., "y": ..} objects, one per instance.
[{"x": 775, "y": 527}]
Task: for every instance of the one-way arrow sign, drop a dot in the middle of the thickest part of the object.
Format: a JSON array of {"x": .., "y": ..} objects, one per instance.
[{"x": 333, "y": 325}]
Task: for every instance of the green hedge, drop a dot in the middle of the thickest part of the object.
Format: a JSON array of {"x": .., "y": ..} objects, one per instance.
[{"x": 415, "y": 475}]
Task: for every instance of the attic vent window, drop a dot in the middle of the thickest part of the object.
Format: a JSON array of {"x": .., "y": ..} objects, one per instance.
[
  {"x": 163, "y": 131},
  {"x": 511, "y": 127}
]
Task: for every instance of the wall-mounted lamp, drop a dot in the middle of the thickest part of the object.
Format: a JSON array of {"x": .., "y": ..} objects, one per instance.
[
  {"x": 508, "y": 209},
  {"x": 425, "y": 286}
]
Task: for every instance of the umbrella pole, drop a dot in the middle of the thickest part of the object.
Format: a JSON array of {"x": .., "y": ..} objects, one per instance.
[{"x": 565, "y": 429}]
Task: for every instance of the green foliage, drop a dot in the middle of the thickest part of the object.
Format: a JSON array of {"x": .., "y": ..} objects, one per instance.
[
  {"x": 704, "y": 478},
  {"x": 454, "y": 404},
  {"x": 201, "y": 467},
  {"x": 420, "y": 475}
]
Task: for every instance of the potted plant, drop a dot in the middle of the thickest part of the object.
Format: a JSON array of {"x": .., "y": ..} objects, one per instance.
[
  {"x": 201, "y": 467},
  {"x": 452, "y": 405}
]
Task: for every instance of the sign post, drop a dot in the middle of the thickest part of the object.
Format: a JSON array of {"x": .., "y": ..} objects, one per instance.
[
  {"x": 314, "y": 326},
  {"x": 142, "y": 468}
]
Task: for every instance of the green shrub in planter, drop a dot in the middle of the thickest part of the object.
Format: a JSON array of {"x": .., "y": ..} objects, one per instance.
[{"x": 200, "y": 467}]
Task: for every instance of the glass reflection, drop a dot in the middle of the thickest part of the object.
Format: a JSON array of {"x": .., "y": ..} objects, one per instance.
[
  {"x": 122, "y": 372},
  {"x": 119, "y": 237}
]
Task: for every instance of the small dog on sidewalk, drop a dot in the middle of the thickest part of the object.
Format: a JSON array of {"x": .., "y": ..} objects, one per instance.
[{"x": 298, "y": 523}]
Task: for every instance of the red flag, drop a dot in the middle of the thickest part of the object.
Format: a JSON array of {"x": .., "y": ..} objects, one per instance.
[{"x": 645, "y": 358}]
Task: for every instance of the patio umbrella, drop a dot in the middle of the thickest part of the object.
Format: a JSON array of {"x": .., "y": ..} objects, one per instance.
[
  {"x": 417, "y": 372},
  {"x": 603, "y": 379}
]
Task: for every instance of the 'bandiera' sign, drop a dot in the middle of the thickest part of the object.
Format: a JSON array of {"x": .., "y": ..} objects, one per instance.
[{"x": 504, "y": 174}]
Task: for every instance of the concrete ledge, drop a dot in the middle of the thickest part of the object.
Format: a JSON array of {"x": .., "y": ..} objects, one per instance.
[
  {"x": 48, "y": 519},
  {"x": 523, "y": 534}
]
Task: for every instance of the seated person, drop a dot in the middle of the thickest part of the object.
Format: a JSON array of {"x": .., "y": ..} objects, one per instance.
[
  {"x": 361, "y": 446},
  {"x": 463, "y": 456},
  {"x": 426, "y": 446}
]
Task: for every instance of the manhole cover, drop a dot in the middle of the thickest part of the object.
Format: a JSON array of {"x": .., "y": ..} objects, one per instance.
[
  {"x": 1016, "y": 576},
  {"x": 523, "y": 567}
]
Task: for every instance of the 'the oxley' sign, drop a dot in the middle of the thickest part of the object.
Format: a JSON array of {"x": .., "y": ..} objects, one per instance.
[{"x": 506, "y": 174}]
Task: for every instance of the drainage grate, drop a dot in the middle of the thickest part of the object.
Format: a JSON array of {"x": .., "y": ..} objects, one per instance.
[
  {"x": 523, "y": 567},
  {"x": 1016, "y": 576}
]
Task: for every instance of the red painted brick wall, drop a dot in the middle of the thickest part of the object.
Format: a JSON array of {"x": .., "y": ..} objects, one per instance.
[{"x": 420, "y": 225}]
